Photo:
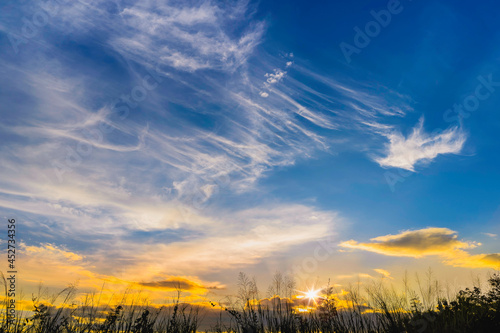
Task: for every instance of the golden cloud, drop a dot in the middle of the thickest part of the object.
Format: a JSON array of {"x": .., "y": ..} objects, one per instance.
[
  {"x": 491, "y": 260},
  {"x": 386, "y": 274},
  {"x": 441, "y": 242},
  {"x": 416, "y": 243},
  {"x": 52, "y": 250}
]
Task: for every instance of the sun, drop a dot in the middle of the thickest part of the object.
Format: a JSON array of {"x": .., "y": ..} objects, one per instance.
[{"x": 311, "y": 294}]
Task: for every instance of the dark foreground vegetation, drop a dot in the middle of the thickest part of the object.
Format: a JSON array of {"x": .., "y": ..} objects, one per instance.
[{"x": 362, "y": 308}]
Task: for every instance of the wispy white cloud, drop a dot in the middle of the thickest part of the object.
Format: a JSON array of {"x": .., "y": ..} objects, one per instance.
[
  {"x": 188, "y": 36},
  {"x": 420, "y": 147},
  {"x": 216, "y": 123},
  {"x": 235, "y": 240}
]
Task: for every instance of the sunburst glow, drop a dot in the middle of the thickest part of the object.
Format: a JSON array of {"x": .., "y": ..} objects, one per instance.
[{"x": 312, "y": 294}]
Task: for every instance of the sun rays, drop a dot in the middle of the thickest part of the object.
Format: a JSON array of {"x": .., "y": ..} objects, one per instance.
[{"x": 312, "y": 295}]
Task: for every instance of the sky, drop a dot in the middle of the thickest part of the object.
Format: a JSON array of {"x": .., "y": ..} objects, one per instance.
[{"x": 166, "y": 143}]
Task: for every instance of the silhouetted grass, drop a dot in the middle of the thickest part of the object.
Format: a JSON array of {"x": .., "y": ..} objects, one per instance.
[{"x": 377, "y": 307}]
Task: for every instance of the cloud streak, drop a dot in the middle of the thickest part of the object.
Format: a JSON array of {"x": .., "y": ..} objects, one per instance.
[{"x": 178, "y": 283}]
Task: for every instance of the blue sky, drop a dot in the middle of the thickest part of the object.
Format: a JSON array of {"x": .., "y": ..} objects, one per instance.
[{"x": 149, "y": 141}]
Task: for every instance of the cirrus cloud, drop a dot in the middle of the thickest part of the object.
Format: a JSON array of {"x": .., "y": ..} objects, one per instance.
[{"x": 420, "y": 147}]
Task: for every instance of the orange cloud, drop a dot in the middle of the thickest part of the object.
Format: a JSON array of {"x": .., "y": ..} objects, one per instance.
[
  {"x": 385, "y": 273},
  {"x": 491, "y": 260},
  {"x": 51, "y": 250},
  {"x": 416, "y": 243},
  {"x": 441, "y": 242},
  {"x": 55, "y": 267},
  {"x": 179, "y": 283}
]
